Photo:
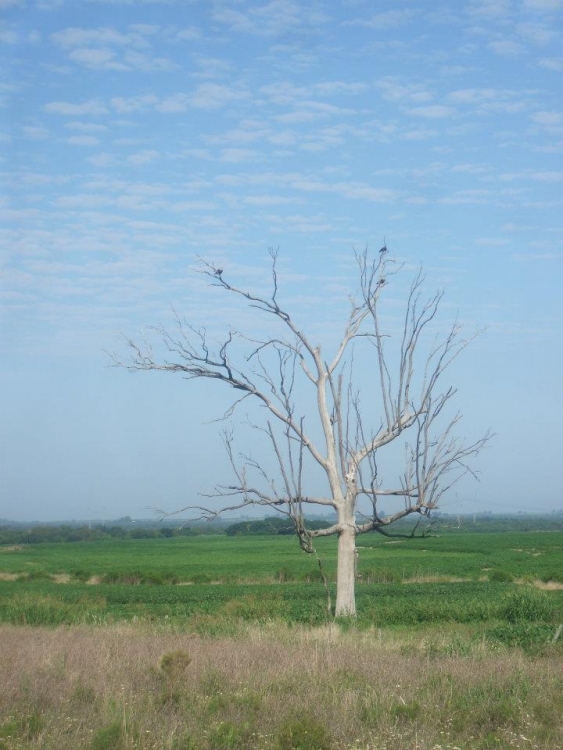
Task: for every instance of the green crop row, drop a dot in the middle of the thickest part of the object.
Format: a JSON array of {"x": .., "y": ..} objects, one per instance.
[
  {"x": 206, "y": 559},
  {"x": 45, "y": 603}
]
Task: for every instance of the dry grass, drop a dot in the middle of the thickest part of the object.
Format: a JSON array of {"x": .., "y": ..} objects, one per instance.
[{"x": 271, "y": 689}]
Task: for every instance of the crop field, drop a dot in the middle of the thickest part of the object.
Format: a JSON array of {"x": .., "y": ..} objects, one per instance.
[
  {"x": 270, "y": 559},
  {"x": 218, "y": 642}
]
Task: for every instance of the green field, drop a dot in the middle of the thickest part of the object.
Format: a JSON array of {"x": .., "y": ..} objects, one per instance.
[
  {"x": 532, "y": 555},
  {"x": 224, "y": 643},
  {"x": 459, "y": 578}
]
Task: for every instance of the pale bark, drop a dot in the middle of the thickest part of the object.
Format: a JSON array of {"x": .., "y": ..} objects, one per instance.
[
  {"x": 349, "y": 455},
  {"x": 346, "y": 570}
]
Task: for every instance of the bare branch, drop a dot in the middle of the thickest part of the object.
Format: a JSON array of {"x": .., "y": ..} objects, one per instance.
[{"x": 330, "y": 430}]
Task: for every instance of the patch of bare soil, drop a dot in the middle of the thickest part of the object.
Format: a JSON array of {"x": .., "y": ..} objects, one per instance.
[
  {"x": 61, "y": 578},
  {"x": 8, "y": 576},
  {"x": 549, "y": 586},
  {"x": 11, "y": 548}
]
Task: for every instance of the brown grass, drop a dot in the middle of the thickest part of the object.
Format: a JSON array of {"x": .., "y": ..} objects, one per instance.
[{"x": 109, "y": 688}]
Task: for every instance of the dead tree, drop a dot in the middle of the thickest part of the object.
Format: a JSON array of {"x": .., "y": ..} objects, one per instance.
[{"x": 269, "y": 372}]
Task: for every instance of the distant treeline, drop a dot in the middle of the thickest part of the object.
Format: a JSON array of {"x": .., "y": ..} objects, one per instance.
[
  {"x": 442, "y": 524},
  {"x": 67, "y": 533},
  {"x": 275, "y": 525}
]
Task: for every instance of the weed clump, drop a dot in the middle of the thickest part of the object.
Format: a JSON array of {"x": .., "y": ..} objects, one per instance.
[
  {"x": 528, "y": 605},
  {"x": 175, "y": 663},
  {"x": 303, "y": 733},
  {"x": 501, "y": 576},
  {"x": 111, "y": 737}
]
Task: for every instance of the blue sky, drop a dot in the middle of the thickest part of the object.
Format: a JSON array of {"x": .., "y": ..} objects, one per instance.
[{"x": 137, "y": 136}]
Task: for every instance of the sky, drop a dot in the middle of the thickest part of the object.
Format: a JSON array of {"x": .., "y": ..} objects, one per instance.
[{"x": 138, "y": 136}]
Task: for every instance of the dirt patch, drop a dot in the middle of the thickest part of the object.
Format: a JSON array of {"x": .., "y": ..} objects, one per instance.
[
  {"x": 94, "y": 580},
  {"x": 11, "y": 548},
  {"x": 9, "y": 576},
  {"x": 549, "y": 586},
  {"x": 61, "y": 578}
]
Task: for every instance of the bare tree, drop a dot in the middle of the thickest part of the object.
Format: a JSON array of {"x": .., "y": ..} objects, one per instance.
[{"x": 330, "y": 430}]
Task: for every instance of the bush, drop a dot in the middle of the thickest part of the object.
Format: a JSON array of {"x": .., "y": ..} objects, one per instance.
[
  {"x": 303, "y": 733},
  {"x": 531, "y": 638},
  {"x": 528, "y": 605},
  {"x": 228, "y": 735},
  {"x": 175, "y": 663},
  {"x": 109, "y": 738},
  {"x": 501, "y": 576}
]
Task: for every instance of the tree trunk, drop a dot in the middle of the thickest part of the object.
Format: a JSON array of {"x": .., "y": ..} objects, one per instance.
[{"x": 346, "y": 572}]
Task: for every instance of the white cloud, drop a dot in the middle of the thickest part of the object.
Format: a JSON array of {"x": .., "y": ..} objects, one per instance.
[
  {"x": 552, "y": 63},
  {"x": 390, "y": 19},
  {"x": 506, "y": 47},
  {"x": 275, "y": 18},
  {"x": 143, "y": 157},
  {"x": 83, "y": 140},
  {"x": 485, "y": 100},
  {"x": 133, "y": 103},
  {"x": 432, "y": 111},
  {"x": 188, "y": 33},
  {"x": 215, "y": 96},
  {"x": 211, "y": 67},
  {"x": 106, "y": 48},
  {"x": 86, "y": 127},
  {"x": 393, "y": 90},
  {"x": 91, "y": 107},
  {"x": 8, "y": 36},
  {"x": 133, "y": 2},
  {"x": 491, "y": 8},
  {"x": 49, "y": 4},
  {"x": 547, "y": 176},
  {"x": 238, "y": 155},
  {"x": 96, "y": 58},
  {"x": 79, "y": 37},
  {"x": 418, "y": 134},
  {"x": 269, "y": 200},
  {"x": 35, "y": 132},
  {"x": 174, "y": 103},
  {"x": 544, "y": 5},
  {"x": 552, "y": 122},
  {"x": 102, "y": 160},
  {"x": 541, "y": 34},
  {"x": 491, "y": 242}
]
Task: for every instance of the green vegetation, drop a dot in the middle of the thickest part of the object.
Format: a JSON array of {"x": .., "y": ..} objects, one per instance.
[
  {"x": 72, "y": 533},
  {"x": 456, "y": 645},
  {"x": 273, "y": 525},
  {"x": 220, "y": 608},
  {"x": 501, "y": 557},
  {"x": 469, "y": 578}
]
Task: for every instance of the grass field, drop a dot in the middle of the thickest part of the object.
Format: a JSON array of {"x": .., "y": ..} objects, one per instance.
[
  {"x": 503, "y": 556},
  {"x": 454, "y": 647}
]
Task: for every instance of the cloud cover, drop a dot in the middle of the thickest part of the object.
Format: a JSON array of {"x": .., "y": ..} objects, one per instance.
[{"x": 139, "y": 136}]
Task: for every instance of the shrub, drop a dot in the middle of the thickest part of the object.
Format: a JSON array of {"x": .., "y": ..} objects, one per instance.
[
  {"x": 528, "y": 605},
  {"x": 530, "y": 637},
  {"x": 303, "y": 733},
  {"x": 501, "y": 576},
  {"x": 228, "y": 735},
  {"x": 109, "y": 738},
  {"x": 175, "y": 663}
]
